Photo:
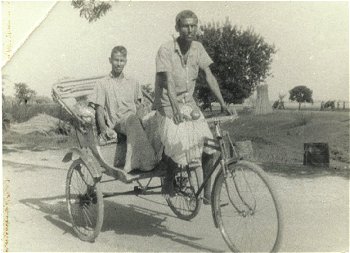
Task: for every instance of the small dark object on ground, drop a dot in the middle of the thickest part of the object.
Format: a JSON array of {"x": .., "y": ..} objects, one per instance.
[{"x": 316, "y": 154}]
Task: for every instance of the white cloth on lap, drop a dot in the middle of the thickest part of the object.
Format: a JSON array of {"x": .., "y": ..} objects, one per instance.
[
  {"x": 184, "y": 142},
  {"x": 150, "y": 123}
]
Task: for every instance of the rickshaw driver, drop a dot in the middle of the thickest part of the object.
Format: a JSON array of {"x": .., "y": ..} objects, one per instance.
[
  {"x": 177, "y": 65},
  {"x": 117, "y": 96}
]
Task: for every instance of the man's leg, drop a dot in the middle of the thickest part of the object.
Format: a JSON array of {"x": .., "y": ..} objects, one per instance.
[
  {"x": 140, "y": 152},
  {"x": 171, "y": 166},
  {"x": 207, "y": 165},
  {"x": 120, "y": 153}
]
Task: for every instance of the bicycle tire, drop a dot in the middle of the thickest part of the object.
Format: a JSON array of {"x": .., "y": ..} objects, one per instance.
[
  {"x": 184, "y": 204},
  {"x": 82, "y": 199},
  {"x": 245, "y": 207}
]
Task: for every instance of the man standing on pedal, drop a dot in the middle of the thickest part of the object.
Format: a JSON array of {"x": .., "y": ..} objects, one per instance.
[{"x": 177, "y": 65}]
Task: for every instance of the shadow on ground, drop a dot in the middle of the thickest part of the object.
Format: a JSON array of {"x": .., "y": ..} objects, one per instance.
[
  {"x": 123, "y": 219},
  {"x": 21, "y": 167}
]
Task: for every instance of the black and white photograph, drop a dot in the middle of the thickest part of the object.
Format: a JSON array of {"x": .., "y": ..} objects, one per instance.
[{"x": 164, "y": 126}]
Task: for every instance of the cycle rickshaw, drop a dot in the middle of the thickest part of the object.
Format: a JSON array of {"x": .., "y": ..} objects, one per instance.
[{"x": 244, "y": 205}]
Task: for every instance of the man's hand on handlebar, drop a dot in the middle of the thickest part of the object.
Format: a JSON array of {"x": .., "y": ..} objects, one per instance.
[
  {"x": 108, "y": 134},
  {"x": 227, "y": 111}
]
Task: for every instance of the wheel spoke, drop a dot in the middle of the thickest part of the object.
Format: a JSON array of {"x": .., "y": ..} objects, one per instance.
[
  {"x": 80, "y": 185},
  {"x": 87, "y": 213},
  {"x": 84, "y": 217}
]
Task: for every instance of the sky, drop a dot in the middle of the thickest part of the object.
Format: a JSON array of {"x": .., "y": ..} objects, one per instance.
[{"x": 312, "y": 41}]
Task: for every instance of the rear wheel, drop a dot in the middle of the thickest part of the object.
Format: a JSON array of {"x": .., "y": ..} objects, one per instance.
[
  {"x": 84, "y": 201},
  {"x": 246, "y": 209},
  {"x": 185, "y": 204}
]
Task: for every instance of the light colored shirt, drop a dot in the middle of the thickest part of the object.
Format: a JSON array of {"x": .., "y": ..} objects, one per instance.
[
  {"x": 118, "y": 96},
  {"x": 170, "y": 59}
]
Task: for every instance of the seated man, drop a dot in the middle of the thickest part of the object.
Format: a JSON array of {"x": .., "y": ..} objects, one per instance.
[{"x": 116, "y": 98}]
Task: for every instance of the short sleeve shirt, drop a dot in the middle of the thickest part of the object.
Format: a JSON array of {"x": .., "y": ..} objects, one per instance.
[
  {"x": 118, "y": 96},
  {"x": 169, "y": 59}
]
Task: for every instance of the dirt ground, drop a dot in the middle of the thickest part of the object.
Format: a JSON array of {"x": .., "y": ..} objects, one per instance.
[{"x": 315, "y": 205}]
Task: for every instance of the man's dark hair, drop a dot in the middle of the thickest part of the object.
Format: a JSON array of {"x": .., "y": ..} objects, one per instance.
[
  {"x": 119, "y": 49},
  {"x": 185, "y": 14}
]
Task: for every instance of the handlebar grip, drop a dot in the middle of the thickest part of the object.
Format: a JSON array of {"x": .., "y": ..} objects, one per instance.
[{"x": 222, "y": 118}]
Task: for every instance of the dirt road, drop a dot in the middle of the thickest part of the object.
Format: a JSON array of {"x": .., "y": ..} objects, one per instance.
[{"x": 316, "y": 213}]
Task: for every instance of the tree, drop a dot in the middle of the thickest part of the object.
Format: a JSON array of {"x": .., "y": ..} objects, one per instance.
[
  {"x": 241, "y": 58},
  {"x": 92, "y": 10},
  {"x": 301, "y": 94},
  {"x": 202, "y": 93},
  {"x": 24, "y": 93}
]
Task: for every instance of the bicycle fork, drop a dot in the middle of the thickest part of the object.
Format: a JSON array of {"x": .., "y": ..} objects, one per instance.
[{"x": 225, "y": 162}]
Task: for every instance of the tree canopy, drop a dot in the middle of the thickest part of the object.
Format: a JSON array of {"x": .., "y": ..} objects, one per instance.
[
  {"x": 301, "y": 94},
  {"x": 92, "y": 10},
  {"x": 241, "y": 58}
]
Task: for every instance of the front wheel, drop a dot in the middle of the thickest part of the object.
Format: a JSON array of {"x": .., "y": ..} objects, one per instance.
[
  {"x": 246, "y": 209},
  {"x": 84, "y": 201}
]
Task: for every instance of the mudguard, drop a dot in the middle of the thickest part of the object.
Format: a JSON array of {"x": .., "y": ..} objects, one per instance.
[{"x": 94, "y": 168}]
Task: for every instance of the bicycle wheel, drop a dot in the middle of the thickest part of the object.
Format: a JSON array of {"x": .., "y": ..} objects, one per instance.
[
  {"x": 246, "y": 209},
  {"x": 184, "y": 204},
  {"x": 84, "y": 201}
]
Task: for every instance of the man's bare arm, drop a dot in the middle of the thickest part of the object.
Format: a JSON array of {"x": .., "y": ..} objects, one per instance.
[
  {"x": 101, "y": 119},
  {"x": 214, "y": 87},
  {"x": 168, "y": 84}
]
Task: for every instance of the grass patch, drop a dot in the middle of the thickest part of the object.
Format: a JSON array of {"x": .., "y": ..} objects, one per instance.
[
  {"x": 302, "y": 118},
  {"x": 280, "y": 136}
]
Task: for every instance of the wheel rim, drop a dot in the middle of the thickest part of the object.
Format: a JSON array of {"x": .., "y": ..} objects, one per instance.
[
  {"x": 83, "y": 201},
  {"x": 248, "y": 214}
]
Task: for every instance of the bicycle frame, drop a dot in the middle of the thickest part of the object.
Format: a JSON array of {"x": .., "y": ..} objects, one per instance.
[{"x": 224, "y": 159}]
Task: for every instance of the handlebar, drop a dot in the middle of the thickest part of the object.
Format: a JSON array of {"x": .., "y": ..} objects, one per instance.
[{"x": 222, "y": 119}]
